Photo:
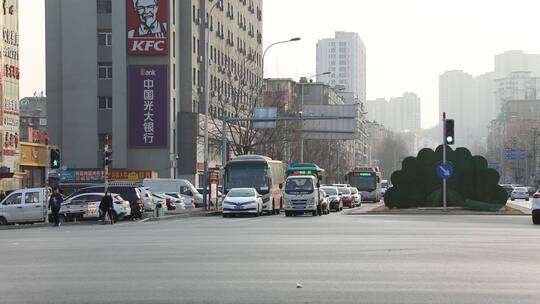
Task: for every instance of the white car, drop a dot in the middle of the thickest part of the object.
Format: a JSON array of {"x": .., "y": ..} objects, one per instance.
[
  {"x": 520, "y": 193},
  {"x": 242, "y": 201},
  {"x": 168, "y": 201},
  {"x": 146, "y": 197},
  {"x": 536, "y": 208},
  {"x": 189, "y": 202},
  {"x": 120, "y": 206}
]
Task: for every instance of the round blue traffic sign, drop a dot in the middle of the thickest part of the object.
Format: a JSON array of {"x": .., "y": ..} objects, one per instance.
[{"x": 445, "y": 171}]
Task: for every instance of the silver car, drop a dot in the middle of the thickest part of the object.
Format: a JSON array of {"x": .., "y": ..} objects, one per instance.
[{"x": 520, "y": 193}]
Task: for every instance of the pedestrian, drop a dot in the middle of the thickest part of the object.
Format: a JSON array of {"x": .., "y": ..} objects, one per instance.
[
  {"x": 2, "y": 195},
  {"x": 55, "y": 203},
  {"x": 106, "y": 206}
]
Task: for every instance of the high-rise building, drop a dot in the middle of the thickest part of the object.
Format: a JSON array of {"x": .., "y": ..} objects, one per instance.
[
  {"x": 33, "y": 112},
  {"x": 516, "y": 61},
  {"x": 398, "y": 114},
  {"x": 9, "y": 93},
  {"x": 134, "y": 70},
  {"x": 344, "y": 56}
]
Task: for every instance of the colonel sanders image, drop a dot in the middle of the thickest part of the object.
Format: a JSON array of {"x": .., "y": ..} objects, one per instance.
[{"x": 149, "y": 26}]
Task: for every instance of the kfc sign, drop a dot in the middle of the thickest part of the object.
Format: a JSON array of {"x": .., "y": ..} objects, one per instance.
[{"x": 147, "y": 27}]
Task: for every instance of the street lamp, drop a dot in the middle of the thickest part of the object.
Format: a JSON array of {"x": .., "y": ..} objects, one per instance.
[{"x": 302, "y": 111}]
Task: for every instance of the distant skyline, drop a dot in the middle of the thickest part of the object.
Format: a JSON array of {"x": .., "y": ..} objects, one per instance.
[{"x": 409, "y": 43}]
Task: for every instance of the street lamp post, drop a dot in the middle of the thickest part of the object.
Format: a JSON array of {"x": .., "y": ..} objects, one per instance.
[{"x": 302, "y": 113}]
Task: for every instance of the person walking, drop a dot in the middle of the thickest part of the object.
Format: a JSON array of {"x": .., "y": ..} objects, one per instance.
[
  {"x": 106, "y": 206},
  {"x": 55, "y": 203},
  {"x": 2, "y": 195}
]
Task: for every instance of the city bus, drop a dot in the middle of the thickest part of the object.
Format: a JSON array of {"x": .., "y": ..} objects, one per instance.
[
  {"x": 368, "y": 182},
  {"x": 259, "y": 172},
  {"x": 305, "y": 169}
]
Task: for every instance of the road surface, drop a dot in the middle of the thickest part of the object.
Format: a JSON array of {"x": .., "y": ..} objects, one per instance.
[{"x": 336, "y": 259}]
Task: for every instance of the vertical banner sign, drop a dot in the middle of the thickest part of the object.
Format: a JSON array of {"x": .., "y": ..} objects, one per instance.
[
  {"x": 148, "y": 118},
  {"x": 147, "y": 27}
]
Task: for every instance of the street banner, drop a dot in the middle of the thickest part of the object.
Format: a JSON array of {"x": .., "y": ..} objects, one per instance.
[
  {"x": 148, "y": 120},
  {"x": 147, "y": 27}
]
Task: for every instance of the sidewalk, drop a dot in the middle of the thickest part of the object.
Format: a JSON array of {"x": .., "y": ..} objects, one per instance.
[{"x": 522, "y": 206}]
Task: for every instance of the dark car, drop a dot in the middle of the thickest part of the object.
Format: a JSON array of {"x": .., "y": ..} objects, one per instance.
[{"x": 129, "y": 193}]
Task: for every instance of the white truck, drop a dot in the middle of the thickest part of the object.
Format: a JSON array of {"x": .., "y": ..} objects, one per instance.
[
  {"x": 24, "y": 206},
  {"x": 303, "y": 195}
]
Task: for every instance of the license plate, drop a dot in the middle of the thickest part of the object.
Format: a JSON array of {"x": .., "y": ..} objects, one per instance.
[{"x": 238, "y": 207}]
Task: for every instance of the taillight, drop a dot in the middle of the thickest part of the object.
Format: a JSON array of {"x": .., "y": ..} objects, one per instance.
[{"x": 536, "y": 195}]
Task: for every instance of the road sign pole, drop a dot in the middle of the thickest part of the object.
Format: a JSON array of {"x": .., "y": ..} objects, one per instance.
[{"x": 444, "y": 158}]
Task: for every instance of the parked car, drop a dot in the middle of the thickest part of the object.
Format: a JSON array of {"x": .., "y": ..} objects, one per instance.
[
  {"x": 336, "y": 203},
  {"x": 214, "y": 199},
  {"x": 146, "y": 197},
  {"x": 168, "y": 201},
  {"x": 536, "y": 208},
  {"x": 188, "y": 202},
  {"x": 130, "y": 193},
  {"x": 24, "y": 206},
  {"x": 346, "y": 198},
  {"x": 242, "y": 201},
  {"x": 357, "y": 197},
  {"x": 182, "y": 186},
  {"x": 82, "y": 206},
  {"x": 520, "y": 193},
  {"x": 384, "y": 186}
]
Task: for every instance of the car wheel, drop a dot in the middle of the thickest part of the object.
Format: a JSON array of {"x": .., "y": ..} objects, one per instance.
[
  {"x": 527, "y": 199},
  {"x": 536, "y": 218},
  {"x": 512, "y": 199},
  {"x": 314, "y": 213},
  {"x": 3, "y": 221},
  {"x": 287, "y": 213}
]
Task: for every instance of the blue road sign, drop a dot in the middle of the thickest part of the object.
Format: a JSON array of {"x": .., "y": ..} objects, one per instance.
[
  {"x": 515, "y": 154},
  {"x": 445, "y": 171}
]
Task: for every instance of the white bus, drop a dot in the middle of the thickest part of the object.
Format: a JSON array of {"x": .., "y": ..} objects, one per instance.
[{"x": 259, "y": 172}]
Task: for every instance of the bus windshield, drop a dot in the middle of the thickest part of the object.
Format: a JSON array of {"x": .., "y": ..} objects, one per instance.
[
  {"x": 245, "y": 175},
  {"x": 364, "y": 183}
]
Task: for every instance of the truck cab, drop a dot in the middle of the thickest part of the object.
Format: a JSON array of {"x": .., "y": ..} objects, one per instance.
[
  {"x": 24, "y": 206},
  {"x": 302, "y": 194}
]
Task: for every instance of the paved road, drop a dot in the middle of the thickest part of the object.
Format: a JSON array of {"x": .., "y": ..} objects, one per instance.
[{"x": 336, "y": 258}]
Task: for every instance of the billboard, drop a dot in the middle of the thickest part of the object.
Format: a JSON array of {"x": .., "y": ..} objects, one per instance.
[
  {"x": 147, "y": 27},
  {"x": 148, "y": 120},
  {"x": 344, "y": 128}
]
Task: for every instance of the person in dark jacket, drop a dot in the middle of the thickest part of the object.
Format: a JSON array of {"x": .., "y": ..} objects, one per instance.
[
  {"x": 55, "y": 203},
  {"x": 2, "y": 195},
  {"x": 106, "y": 207}
]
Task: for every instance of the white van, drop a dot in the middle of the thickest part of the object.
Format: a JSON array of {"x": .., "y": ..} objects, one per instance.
[
  {"x": 182, "y": 186},
  {"x": 24, "y": 206}
]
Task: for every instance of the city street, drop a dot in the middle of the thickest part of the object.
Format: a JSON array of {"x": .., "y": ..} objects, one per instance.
[{"x": 336, "y": 258}]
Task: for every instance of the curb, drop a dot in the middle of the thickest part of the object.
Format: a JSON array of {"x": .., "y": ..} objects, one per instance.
[{"x": 183, "y": 215}]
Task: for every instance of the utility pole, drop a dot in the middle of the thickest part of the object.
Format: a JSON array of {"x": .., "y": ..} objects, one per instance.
[
  {"x": 106, "y": 155},
  {"x": 444, "y": 158}
]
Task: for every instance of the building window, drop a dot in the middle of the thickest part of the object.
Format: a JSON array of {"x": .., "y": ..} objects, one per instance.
[
  {"x": 105, "y": 102},
  {"x": 105, "y": 37},
  {"x": 104, "y": 6},
  {"x": 105, "y": 71}
]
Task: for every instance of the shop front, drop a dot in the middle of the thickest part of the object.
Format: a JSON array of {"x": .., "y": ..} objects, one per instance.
[{"x": 33, "y": 161}]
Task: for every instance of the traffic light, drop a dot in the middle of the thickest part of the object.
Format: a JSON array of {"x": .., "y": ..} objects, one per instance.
[
  {"x": 107, "y": 157},
  {"x": 55, "y": 159},
  {"x": 449, "y": 138}
]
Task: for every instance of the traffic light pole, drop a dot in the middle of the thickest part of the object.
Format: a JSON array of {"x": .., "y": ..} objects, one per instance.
[{"x": 444, "y": 158}]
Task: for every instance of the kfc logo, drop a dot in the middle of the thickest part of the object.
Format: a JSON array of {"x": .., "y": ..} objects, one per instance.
[{"x": 147, "y": 27}]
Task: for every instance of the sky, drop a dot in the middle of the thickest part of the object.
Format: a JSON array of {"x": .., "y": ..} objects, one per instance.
[{"x": 409, "y": 43}]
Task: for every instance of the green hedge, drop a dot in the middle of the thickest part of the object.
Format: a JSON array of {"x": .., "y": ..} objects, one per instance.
[{"x": 473, "y": 186}]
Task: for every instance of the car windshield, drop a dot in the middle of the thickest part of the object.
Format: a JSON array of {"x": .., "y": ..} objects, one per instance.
[
  {"x": 242, "y": 193},
  {"x": 330, "y": 191},
  {"x": 521, "y": 189}
]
